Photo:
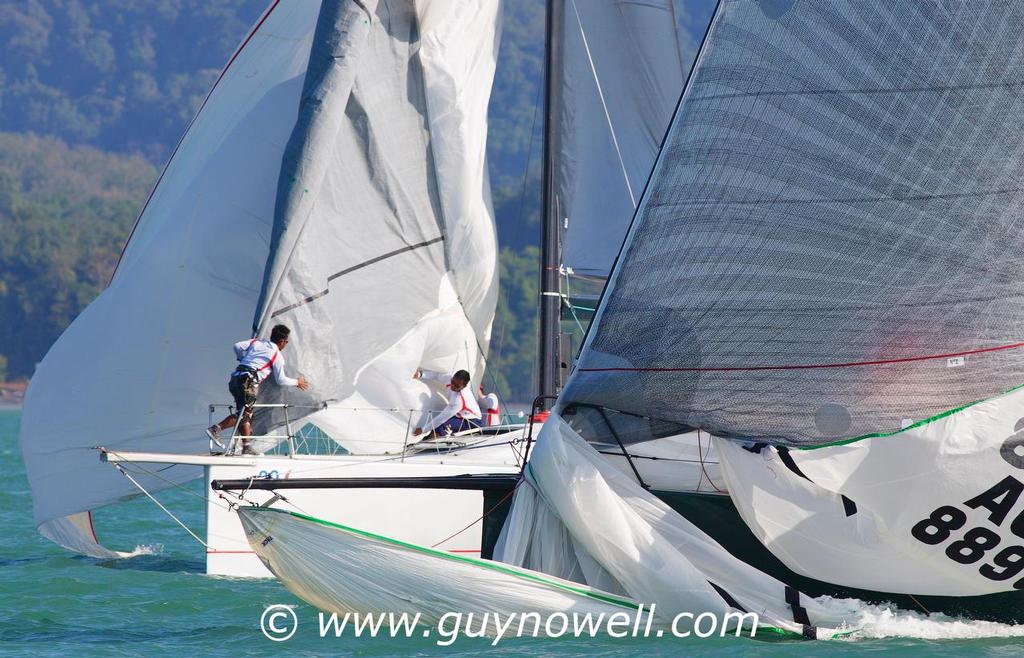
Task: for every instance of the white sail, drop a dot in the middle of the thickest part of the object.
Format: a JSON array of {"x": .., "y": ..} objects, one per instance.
[
  {"x": 340, "y": 569},
  {"x": 936, "y": 508},
  {"x": 620, "y": 71},
  {"x": 138, "y": 369},
  {"x": 595, "y": 524},
  {"x": 384, "y": 247}
]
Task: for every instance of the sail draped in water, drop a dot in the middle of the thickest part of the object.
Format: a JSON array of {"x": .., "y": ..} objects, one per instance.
[
  {"x": 829, "y": 245},
  {"x": 314, "y": 165},
  {"x": 826, "y": 253}
]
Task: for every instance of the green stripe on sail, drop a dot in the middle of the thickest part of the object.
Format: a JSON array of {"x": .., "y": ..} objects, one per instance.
[
  {"x": 486, "y": 564},
  {"x": 494, "y": 566},
  {"x": 932, "y": 419}
]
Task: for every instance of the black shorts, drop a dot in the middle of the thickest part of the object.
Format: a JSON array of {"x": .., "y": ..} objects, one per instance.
[{"x": 236, "y": 385}]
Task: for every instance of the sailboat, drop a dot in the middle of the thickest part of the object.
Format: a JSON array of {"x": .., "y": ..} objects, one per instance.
[
  {"x": 334, "y": 180},
  {"x": 822, "y": 275}
]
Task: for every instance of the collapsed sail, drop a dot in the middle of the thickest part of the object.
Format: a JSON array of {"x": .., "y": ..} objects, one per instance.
[
  {"x": 383, "y": 250},
  {"x": 340, "y": 569},
  {"x": 138, "y": 369},
  {"x": 579, "y": 517},
  {"x": 829, "y": 244}
]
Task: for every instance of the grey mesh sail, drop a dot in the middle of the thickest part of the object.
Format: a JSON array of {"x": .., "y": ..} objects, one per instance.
[{"x": 830, "y": 244}]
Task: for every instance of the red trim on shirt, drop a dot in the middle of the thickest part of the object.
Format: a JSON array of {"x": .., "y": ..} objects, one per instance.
[{"x": 268, "y": 363}]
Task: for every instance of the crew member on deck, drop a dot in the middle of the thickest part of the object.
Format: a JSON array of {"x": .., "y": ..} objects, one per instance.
[
  {"x": 256, "y": 360},
  {"x": 489, "y": 404},
  {"x": 462, "y": 412}
]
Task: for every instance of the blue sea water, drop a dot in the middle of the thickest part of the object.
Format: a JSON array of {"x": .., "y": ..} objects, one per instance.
[{"x": 159, "y": 604}]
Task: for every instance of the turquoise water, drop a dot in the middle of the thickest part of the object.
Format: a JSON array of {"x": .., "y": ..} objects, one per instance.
[{"x": 158, "y": 604}]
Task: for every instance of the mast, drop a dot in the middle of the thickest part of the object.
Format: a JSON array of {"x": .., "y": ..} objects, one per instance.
[{"x": 548, "y": 354}]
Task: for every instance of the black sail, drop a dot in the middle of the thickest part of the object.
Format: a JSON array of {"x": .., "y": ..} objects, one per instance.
[{"x": 831, "y": 241}]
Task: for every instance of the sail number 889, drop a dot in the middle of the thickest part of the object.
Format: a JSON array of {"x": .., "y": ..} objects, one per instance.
[{"x": 976, "y": 543}]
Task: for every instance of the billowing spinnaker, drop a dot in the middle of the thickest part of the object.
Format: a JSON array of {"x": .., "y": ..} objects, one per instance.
[
  {"x": 620, "y": 76},
  {"x": 830, "y": 242},
  {"x": 933, "y": 509},
  {"x": 384, "y": 226},
  {"x": 138, "y": 368}
]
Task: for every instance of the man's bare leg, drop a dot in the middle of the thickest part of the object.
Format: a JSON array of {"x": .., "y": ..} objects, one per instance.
[{"x": 245, "y": 430}]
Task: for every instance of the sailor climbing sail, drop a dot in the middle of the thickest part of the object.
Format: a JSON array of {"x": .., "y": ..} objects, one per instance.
[
  {"x": 256, "y": 360},
  {"x": 462, "y": 412}
]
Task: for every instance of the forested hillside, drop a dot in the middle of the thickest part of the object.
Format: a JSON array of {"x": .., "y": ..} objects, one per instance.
[
  {"x": 111, "y": 84},
  {"x": 64, "y": 214}
]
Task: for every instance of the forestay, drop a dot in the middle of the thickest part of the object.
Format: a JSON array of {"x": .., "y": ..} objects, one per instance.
[{"x": 830, "y": 242}]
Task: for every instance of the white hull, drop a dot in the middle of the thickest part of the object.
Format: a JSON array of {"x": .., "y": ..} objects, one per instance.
[{"x": 448, "y": 520}]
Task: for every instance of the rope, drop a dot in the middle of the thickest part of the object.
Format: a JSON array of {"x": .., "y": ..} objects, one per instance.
[
  {"x": 481, "y": 518},
  {"x": 167, "y": 511},
  {"x": 157, "y": 475},
  {"x": 700, "y": 455},
  {"x": 926, "y": 610}
]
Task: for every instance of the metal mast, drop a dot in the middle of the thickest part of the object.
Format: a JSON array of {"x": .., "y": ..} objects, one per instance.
[{"x": 549, "y": 354}]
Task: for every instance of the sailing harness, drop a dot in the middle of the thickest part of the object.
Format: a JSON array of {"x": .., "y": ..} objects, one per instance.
[
  {"x": 249, "y": 378},
  {"x": 462, "y": 399}
]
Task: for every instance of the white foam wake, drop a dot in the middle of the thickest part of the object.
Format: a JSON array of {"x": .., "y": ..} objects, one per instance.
[
  {"x": 145, "y": 549},
  {"x": 881, "y": 621}
]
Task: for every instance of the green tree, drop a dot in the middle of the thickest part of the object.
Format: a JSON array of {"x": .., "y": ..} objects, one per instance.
[
  {"x": 64, "y": 214},
  {"x": 513, "y": 350}
]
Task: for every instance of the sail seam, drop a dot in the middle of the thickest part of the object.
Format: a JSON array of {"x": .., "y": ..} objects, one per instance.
[
  {"x": 349, "y": 270},
  {"x": 810, "y": 366}
]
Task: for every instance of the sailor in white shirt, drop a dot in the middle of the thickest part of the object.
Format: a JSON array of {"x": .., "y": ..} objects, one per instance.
[
  {"x": 489, "y": 404},
  {"x": 257, "y": 359},
  {"x": 462, "y": 412}
]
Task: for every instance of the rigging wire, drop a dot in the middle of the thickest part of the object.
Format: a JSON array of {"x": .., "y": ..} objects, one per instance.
[
  {"x": 481, "y": 518},
  {"x": 604, "y": 106},
  {"x": 160, "y": 505}
]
